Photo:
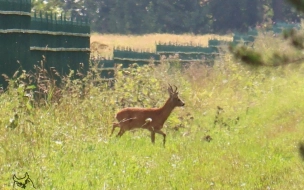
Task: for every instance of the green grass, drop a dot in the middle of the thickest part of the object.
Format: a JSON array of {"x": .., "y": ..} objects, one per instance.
[{"x": 66, "y": 145}]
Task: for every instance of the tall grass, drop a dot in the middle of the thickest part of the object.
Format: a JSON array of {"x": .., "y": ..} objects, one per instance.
[{"x": 254, "y": 118}]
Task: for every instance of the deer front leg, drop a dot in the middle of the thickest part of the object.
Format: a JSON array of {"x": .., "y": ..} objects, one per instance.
[
  {"x": 162, "y": 133},
  {"x": 152, "y": 136}
]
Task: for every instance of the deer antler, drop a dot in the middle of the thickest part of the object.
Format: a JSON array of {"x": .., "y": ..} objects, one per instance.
[
  {"x": 175, "y": 89},
  {"x": 170, "y": 89}
]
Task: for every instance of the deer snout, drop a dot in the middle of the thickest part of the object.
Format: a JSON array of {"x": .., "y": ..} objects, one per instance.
[{"x": 181, "y": 103}]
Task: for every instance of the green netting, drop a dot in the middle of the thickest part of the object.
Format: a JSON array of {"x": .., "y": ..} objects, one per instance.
[
  {"x": 179, "y": 48},
  {"x": 11, "y": 21},
  {"x": 52, "y": 22},
  {"x": 107, "y": 73},
  {"x": 216, "y": 43},
  {"x": 14, "y": 45},
  {"x": 253, "y": 33},
  {"x": 190, "y": 57},
  {"x": 50, "y": 26},
  {"x": 277, "y": 30},
  {"x": 56, "y": 33},
  {"x": 287, "y": 25},
  {"x": 106, "y": 63},
  {"x": 127, "y": 62},
  {"x": 126, "y": 57},
  {"x": 280, "y": 26},
  {"x": 130, "y": 54},
  {"x": 15, "y": 5},
  {"x": 26, "y": 40},
  {"x": 106, "y": 67},
  {"x": 243, "y": 37}
]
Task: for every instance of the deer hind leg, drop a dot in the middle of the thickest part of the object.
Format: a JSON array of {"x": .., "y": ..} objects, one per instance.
[
  {"x": 121, "y": 132},
  {"x": 122, "y": 125},
  {"x": 114, "y": 126}
]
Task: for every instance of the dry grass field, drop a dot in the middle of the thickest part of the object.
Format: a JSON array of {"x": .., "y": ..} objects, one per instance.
[{"x": 103, "y": 44}]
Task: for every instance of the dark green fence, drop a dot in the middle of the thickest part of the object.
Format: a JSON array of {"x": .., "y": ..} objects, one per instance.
[
  {"x": 249, "y": 37},
  {"x": 64, "y": 43},
  {"x": 26, "y": 40},
  {"x": 127, "y": 56},
  {"x": 243, "y": 38},
  {"x": 106, "y": 68},
  {"x": 188, "y": 52},
  {"x": 15, "y": 17},
  {"x": 279, "y": 27}
]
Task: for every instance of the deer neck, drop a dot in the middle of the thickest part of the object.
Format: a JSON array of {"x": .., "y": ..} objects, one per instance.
[{"x": 166, "y": 109}]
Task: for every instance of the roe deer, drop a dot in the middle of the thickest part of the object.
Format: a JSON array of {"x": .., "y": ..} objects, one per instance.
[{"x": 151, "y": 119}]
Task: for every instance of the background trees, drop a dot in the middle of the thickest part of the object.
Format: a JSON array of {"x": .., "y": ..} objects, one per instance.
[{"x": 173, "y": 16}]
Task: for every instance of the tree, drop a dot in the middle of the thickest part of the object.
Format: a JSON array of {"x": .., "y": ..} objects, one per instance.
[
  {"x": 284, "y": 12},
  {"x": 172, "y": 16},
  {"x": 51, "y": 5},
  {"x": 278, "y": 10},
  {"x": 253, "y": 57},
  {"x": 179, "y": 16},
  {"x": 252, "y": 15},
  {"x": 233, "y": 14},
  {"x": 98, "y": 13}
]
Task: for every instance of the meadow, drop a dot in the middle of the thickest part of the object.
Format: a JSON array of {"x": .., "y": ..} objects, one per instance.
[{"x": 240, "y": 129}]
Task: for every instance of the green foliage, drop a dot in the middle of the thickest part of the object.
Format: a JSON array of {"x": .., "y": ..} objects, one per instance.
[
  {"x": 295, "y": 38},
  {"x": 298, "y": 4},
  {"x": 247, "y": 55},
  {"x": 280, "y": 50},
  {"x": 55, "y": 6},
  {"x": 243, "y": 13},
  {"x": 278, "y": 58},
  {"x": 141, "y": 93}
]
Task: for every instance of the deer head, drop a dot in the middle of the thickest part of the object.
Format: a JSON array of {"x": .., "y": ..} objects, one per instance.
[{"x": 175, "y": 100}]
